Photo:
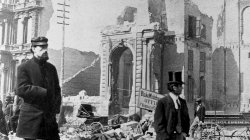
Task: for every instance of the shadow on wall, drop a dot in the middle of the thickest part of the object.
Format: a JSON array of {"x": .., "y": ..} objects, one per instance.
[
  {"x": 225, "y": 87},
  {"x": 173, "y": 63}
]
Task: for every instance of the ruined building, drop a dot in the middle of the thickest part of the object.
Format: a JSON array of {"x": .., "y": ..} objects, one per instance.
[
  {"x": 231, "y": 58},
  {"x": 167, "y": 44},
  {"x": 20, "y": 20}
]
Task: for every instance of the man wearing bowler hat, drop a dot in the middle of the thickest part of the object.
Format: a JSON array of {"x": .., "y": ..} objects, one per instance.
[
  {"x": 171, "y": 118},
  {"x": 38, "y": 85},
  {"x": 199, "y": 115}
]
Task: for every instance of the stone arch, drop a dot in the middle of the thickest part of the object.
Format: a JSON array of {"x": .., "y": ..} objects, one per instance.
[
  {"x": 121, "y": 78},
  {"x": 243, "y": 20},
  {"x": 243, "y": 6}
]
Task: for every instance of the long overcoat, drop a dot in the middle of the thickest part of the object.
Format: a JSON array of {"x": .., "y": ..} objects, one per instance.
[
  {"x": 165, "y": 117},
  {"x": 200, "y": 113},
  {"x": 38, "y": 85}
]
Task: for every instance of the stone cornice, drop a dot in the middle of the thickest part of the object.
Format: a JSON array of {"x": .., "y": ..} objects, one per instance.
[
  {"x": 128, "y": 29},
  {"x": 28, "y": 6}
]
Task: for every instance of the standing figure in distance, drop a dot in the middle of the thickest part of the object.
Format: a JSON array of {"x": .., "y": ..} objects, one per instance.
[
  {"x": 3, "y": 125},
  {"x": 8, "y": 111},
  {"x": 16, "y": 111},
  {"x": 38, "y": 85},
  {"x": 171, "y": 118},
  {"x": 199, "y": 115}
]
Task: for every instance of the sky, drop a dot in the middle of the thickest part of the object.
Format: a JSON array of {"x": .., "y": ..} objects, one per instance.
[{"x": 88, "y": 17}]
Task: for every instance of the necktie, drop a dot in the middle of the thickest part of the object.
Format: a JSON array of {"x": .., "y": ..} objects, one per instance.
[
  {"x": 178, "y": 126},
  {"x": 178, "y": 103}
]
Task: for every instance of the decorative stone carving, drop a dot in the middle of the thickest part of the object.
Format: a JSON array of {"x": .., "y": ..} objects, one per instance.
[
  {"x": 26, "y": 15},
  {"x": 3, "y": 67},
  {"x": 116, "y": 29}
]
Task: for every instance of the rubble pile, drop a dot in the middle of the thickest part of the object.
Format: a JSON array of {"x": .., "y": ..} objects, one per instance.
[
  {"x": 118, "y": 128},
  {"x": 3, "y": 137}
]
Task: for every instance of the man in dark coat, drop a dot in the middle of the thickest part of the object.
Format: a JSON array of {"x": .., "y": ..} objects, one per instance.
[
  {"x": 199, "y": 115},
  {"x": 8, "y": 111},
  {"x": 38, "y": 85},
  {"x": 3, "y": 125},
  {"x": 171, "y": 118}
]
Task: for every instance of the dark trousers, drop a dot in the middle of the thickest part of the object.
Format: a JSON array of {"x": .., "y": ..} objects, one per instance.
[{"x": 176, "y": 136}]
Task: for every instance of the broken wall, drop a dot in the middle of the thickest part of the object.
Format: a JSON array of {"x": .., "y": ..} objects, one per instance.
[{"x": 45, "y": 16}]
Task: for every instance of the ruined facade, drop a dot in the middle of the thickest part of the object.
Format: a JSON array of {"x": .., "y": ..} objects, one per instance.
[
  {"x": 231, "y": 58},
  {"x": 174, "y": 44},
  {"x": 20, "y": 20}
]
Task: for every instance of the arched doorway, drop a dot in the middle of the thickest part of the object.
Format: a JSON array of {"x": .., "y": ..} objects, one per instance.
[{"x": 121, "y": 80}]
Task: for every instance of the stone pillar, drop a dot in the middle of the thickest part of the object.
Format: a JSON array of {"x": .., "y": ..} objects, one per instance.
[
  {"x": 149, "y": 68},
  {"x": 1, "y": 33},
  {"x": 104, "y": 85},
  {"x": 20, "y": 31},
  {"x": 3, "y": 81},
  {"x": 29, "y": 30},
  {"x": 138, "y": 74},
  {"x": 144, "y": 67},
  {"x": 13, "y": 76},
  {"x": 6, "y": 32},
  {"x": 15, "y": 31}
]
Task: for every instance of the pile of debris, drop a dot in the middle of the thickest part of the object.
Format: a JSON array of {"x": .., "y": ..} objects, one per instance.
[
  {"x": 3, "y": 137},
  {"x": 119, "y": 127}
]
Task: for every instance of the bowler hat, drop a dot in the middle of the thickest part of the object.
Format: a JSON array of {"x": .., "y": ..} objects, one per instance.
[
  {"x": 198, "y": 99},
  {"x": 39, "y": 41},
  {"x": 8, "y": 99}
]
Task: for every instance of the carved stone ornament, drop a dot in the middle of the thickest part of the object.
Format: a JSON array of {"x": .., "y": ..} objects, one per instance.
[
  {"x": 16, "y": 16},
  {"x": 26, "y": 15},
  {"x": 116, "y": 29}
]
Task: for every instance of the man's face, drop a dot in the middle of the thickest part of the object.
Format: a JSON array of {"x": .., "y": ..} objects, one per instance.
[
  {"x": 41, "y": 52},
  {"x": 177, "y": 89}
]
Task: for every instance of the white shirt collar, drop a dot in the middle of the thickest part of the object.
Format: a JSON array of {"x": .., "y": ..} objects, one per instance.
[{"x": 174, "y": 98}]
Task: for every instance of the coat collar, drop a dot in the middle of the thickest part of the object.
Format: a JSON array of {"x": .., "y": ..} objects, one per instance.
[{"x": 39, "y": 62}]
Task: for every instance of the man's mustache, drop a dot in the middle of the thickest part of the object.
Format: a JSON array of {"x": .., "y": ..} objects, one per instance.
[
  {"x": 45, "y": 53},
  {"x": 45, "y": 56}
]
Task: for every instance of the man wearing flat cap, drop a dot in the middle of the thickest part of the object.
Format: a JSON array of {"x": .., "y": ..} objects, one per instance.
[
  {"x": 171, "y": 118},
  {"x": 38, "y": 85},
  {"x": 199, "y": 115}
]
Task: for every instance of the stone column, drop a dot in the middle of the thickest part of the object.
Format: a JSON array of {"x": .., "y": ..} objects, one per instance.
[
  {"x": 1, "y": 33},
  {"x": 3, "y": 81},
  {"x": 6, "y": 32},
  {"x": 15, "y": 31},
  {"x": 104, "y": 82},
  {"x": 149, "y": 50},
  {"x": 20, "y": 30},
  {"x": 104, "y": 71},
  {"x": 138, "y": 74},
  {"x": 29, "y": 30},
  {"x": 13, "y": 76}
]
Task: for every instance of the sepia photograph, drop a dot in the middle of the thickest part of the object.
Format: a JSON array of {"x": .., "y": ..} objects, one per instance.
[{"x": 125, "y": 69}]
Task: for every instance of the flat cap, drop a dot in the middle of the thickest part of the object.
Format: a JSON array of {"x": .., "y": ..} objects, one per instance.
[{"x": 39, "y": 41}]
